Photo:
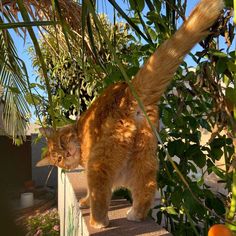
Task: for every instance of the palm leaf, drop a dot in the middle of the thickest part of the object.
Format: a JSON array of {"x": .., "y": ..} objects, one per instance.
[
  {"x": 26, "y": 18},
  {"x": 64, "y": 26},
  {"x": 15, "y": 112},
  {"x": 14, "y": 25}
]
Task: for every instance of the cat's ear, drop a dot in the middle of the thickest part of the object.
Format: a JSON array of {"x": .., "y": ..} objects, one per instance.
[
  {"x": 43, "y": 162},
  {"x": 46, "y": 131}
]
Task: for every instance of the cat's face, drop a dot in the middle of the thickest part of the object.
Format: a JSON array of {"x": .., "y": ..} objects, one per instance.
[{"x": 63, "y": 148}]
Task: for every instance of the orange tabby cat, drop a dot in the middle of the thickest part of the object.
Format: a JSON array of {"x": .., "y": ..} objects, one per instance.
[{"x": 113, "y": 140}]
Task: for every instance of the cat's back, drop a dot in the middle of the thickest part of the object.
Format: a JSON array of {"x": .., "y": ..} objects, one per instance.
[
  {"x": 109, "y": 103},
  {"x": 101, "y": 117},
  {"x": 116, "y": 106},
  {"x": 114, "y": 116}
]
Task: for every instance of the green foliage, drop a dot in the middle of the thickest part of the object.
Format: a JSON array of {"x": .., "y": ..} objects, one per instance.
[
  {"x": 75, "y": 83},
  {"x": 13, "y": 81},
  {"x": 196, "y": 104}
]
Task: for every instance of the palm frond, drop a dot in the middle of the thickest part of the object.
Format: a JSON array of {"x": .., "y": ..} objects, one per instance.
[
  {"x": 68, "y": 11},
  {"x": 15, "y": 114}
]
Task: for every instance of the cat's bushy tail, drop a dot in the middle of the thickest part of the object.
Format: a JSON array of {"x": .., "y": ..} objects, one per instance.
[{"x": 153, "y": 78}]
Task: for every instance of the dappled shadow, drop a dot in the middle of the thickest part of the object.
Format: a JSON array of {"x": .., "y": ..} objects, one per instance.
[{"x": 124, "y": 227}]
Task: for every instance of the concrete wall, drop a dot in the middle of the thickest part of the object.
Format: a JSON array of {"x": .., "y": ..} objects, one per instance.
[{"x": 70, "y": 217}]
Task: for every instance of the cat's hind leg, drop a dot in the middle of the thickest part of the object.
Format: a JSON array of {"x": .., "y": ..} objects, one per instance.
[
  {"x": 143, "y": 196},
  {"x": 142, "y": 182}
]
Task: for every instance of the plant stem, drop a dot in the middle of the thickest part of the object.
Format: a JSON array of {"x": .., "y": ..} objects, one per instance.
[
  {"x": 191, "y": 222},
  {"x": 232, "y": 209},
  {"x": 234, "y": 12}
]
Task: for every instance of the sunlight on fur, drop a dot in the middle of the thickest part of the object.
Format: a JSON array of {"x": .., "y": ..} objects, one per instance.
[{"x": 112, "y": 140}]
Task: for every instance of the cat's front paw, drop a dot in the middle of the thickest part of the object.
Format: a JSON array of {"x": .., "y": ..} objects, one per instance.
[
  {"x": 132, "y": 216},
  {"x": 84, "y": 203},
  {"x": 101, "y": 224}
]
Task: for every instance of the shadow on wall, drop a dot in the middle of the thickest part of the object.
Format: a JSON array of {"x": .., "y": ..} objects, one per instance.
[
  {"x": 15, "y": 163},
  {"x": 19, "y": 163},
  {"x": 40, "y": 174}
]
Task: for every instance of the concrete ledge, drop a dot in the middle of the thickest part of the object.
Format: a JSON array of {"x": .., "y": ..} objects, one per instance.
[{"x": 74, "y": 221}]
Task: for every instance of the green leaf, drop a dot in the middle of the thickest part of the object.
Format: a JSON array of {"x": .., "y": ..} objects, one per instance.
[
  {"x": 199, "y": 159},
  {"x": 191, "y": 121},
  {"x": 218, "y": 53},
  {"x": 200, "y": 181},
  {"x": 18, "y": 141},
  {"x": 216, "y": 153},
  {"x": 218, "y": 142},
  {"x": 159, "y": 217},
  {"x": 231, "y": 66},
  {"x": 220, "y": 173},
  {"x": 195, "y": 153},
  {"x": 137, "y": 4},
  {"x": 170, "y": 210},
  {"x": 229, "y": 3},
  {"x": 221, "y": 66},
  {"x": 167, "y": 117},
  {"x": 231, "y": 94},
  {"x": 132, "y": 71},
  {"x": 218, "y": 206},
  {"x": 43, "y": 152},
  {"x": 176, "y": 147},
  {"x": 229, "y": 141},
  {"x": 14, "y": 90},
  {"x": 35, "y": 85},
  {"x": 189, "y": 202},
  {"x": 204, "y": 124},
  {"x": 152, "y": 33},
  {"x": 128, "y": 19},
  {"x": 176, "y": 197},
  {"x": 13, "y": 25},
  {"x": 231, "y": 226},
  {"x": 65, "y": 28},
  {"x": 32, "y": 99},
  {"x": 194, "y": 137}
]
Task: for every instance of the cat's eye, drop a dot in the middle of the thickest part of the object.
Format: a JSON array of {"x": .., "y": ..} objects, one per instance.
[{"x": 59, "y": 159}]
